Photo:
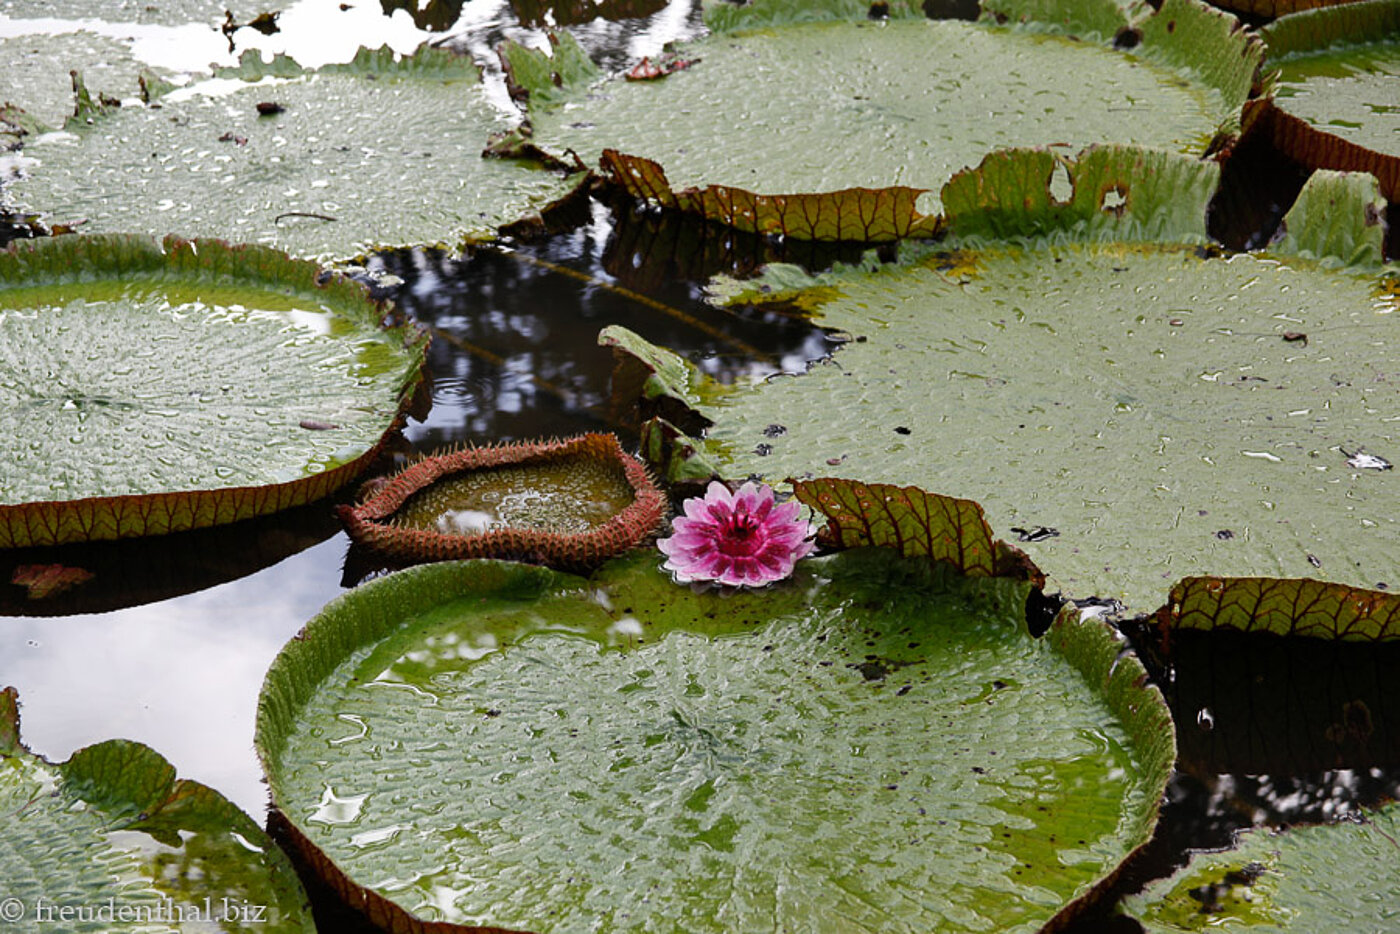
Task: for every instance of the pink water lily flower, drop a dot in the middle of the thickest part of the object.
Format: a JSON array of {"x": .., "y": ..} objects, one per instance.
[{"x": 743, "y": 539}]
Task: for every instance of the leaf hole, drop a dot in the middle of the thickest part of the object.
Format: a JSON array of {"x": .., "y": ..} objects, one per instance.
[
  {"x": 1114, "y": 200},
  {"x": 1061, "y": 185}
]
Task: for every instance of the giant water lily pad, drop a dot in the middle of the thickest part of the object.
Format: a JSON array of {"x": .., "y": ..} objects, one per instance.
[
  {"x": 167, "y": 12},
  {"x": 40, "y": 93},
  {"x": 152, "y": 387},
  {"x": 378, "y": 152},
  {"x": 1334, "y": 105},
  {"x": 1301, "y": 879},
  {"x": 568, "y": 504},
  {"x": 1141, "y": 411},
  {"x": 110, "y": 840},
  {"x": 890, "y": 109},
  {"x": 871, "y": 745}
]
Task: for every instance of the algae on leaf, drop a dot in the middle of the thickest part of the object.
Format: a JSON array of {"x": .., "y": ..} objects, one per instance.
[
  {"x": 110, "y": 840},
  {"x": 1323, "y": 877},
  {"x": 1167, "y": 411},
  {"x": 374, "y": 153},
  {"x": 149, "y": 388},
  {"x": 477, "y": 743}
]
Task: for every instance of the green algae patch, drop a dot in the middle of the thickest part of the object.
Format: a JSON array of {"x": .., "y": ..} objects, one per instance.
[
  {"x": 484, "y": 744},
  {"x": 111, "y": 840},
  {"x": 1158, "y": 410},
  {"x": 155, "y": 387},
  {"x": 1300, "y": 879},
  {"x": 889, "y": 113},
  {"x": 375, "y": 153}
]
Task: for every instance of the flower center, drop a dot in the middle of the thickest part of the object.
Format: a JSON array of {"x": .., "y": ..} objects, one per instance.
[{"x": 741, "y": 536}]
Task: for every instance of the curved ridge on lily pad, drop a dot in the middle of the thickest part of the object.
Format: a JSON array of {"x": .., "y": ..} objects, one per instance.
[
  {"x": 477, "y": 744},
  {"x": 1137, "y": 410},
  {"x": 888, "y": 118},
  {"x": 152, "y": 387},
  {"x": 1333, "y": 105},
  {"x": 329, "y": 164},
  {"x": 569, "y": 504},
  {"x": 1299, "y": 607},
  {"x": 1306, "y": 878},
  {"x": 913, "y": 522},
  {"x": 111, "y": 840}
]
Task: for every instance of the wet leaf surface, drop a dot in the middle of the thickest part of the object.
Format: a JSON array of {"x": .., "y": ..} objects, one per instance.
[
  {"x": 375, "y": 153},
  {"x": 419, "y": 733},
  {"x": 1138, "y": 399},
  {"x": 111, "y": 437},
  {"x": 905, "y": 128},
  {"x": 1301, "y": 879}
]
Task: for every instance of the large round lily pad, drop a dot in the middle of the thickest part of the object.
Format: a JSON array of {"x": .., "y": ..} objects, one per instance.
[
  {"x": 379, "y": 152},
  {"x": 867, "y": 747},
  {"x": 1141, "y": 412},
  {"x": 1334, "y": 104},
  {"x": 110, "y": 841},
  {"x": 900, "y": 104},
  {"x": 148, "y": 388},
  {"x": 40, "y": 93}
]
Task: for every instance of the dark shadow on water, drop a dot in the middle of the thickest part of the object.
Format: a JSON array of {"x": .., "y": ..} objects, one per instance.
[
  {"x": 1272, "y": 732},
  {"x": 1258, "y": 184},
  {"x": 113, "y": 575}
]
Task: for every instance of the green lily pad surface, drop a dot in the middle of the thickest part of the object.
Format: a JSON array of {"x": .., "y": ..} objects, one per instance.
[
  {"x": 111, "y": 841},
  {"x": 148, "y": 388},
  {"x": 1302, "y": 879},
  {"x": 1346, "y": 90},
  {"x": 43, "y": 89},
  {"x": 371, "y": 154},
  {"x": 1334, "y": 104},
  {"x": 870, "y": 746},
  {"x": 166, "y": 12},
  {"x": 904, "y": 102},
  {"x": 1158, "y": 411}
]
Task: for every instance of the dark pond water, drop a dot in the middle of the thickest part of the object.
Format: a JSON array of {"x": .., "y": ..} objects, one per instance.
[{"x": 169, "y": 645}]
